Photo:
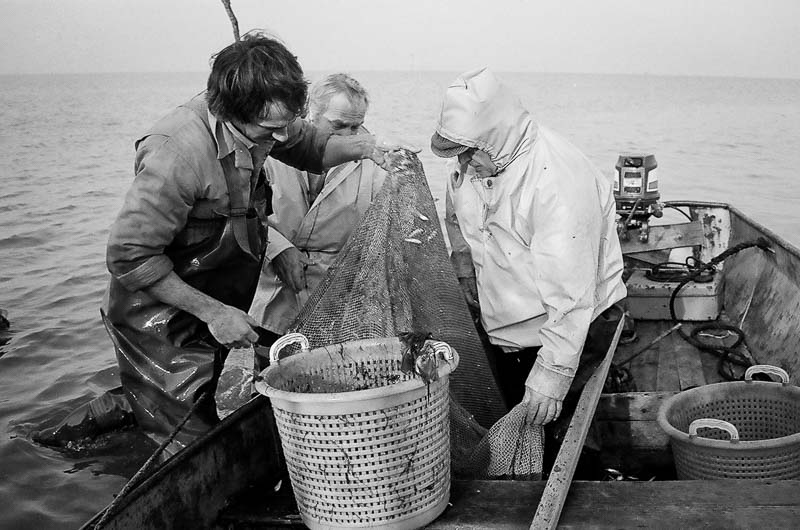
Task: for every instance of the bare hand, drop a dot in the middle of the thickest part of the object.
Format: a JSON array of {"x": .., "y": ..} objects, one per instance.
[
  {"x": 383, "y": 148},
  {"x": 290, "y": 266},
  {"x": 233, "y": 327},
  {"x": 540, "y": 408},
  {"x": 469, "y": 287}
]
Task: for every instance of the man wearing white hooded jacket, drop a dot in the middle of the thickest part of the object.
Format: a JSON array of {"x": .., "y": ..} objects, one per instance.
[{"x": 532, "y": 226}]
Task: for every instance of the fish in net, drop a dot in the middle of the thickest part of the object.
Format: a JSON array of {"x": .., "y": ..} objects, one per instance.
[{"x": 394, "y": 277}]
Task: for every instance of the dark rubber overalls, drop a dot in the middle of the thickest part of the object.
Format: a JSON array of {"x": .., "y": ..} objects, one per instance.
[{"x": 167, "y": 357}]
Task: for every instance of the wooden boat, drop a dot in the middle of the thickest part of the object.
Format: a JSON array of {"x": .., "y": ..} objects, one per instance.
[{"x": 230, "y": 478}]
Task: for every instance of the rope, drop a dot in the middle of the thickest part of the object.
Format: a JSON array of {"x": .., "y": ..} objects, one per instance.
[{"x": 145, "y": 469}]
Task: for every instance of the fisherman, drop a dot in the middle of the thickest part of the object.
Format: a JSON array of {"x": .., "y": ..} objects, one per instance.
[
  {"x": 531, "y": 223},
  {"x": 185, "y": 251},
  {"x": 314, "y": 213}
]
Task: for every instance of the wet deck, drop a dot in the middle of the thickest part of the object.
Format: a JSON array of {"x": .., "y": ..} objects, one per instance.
[
  {"x": 672, "y": 364},
  {"x": 509, "y": 504}
]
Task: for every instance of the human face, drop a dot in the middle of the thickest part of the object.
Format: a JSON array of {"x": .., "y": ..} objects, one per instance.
[
  {"x": 273, "y": 124},
  {"x": 341, "y": 118},
  {"x": 480, "y": 162}
]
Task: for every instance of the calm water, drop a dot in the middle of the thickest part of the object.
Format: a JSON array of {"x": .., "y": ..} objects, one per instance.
[{"x": 66, "y": 158}]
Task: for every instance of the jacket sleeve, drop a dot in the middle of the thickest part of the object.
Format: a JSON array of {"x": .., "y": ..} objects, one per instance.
[
  {"x": 565, "y": 247},
  {"x": 460, "y": 254},
  {"x": 304, "y": 149},
  {"x": 277, "y": 243},
  {"x": 156, "y": 208}
]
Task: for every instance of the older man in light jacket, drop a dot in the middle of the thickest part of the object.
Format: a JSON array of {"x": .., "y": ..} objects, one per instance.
[
  {"x": 532, "y": 227},
  {"x": 314, "y": 214}
]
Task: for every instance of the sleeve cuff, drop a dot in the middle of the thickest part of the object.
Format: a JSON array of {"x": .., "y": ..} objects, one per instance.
[
  {"x": 147, "y": 273},
  {"x": 462, "y": 264},
  {"x": 548, "y": 382},
  {"x": 277, "y": 243}
]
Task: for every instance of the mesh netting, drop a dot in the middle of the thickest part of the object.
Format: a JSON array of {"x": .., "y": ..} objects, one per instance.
[{"x": 394, "y": 276}]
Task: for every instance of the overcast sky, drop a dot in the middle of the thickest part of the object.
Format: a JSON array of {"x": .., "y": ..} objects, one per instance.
[{"x": 743, "y": 38}]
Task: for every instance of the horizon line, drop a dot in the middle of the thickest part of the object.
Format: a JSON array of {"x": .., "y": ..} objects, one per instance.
[{"x": 314, "y": 70}]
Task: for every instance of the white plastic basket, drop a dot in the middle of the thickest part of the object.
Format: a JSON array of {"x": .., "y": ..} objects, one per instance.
[{"x": 366, "y": 445}]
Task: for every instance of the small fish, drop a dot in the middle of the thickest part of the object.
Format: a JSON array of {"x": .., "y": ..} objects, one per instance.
[
  {"x": 421, "y": 215},
  {"x": 412, "y": 240}
]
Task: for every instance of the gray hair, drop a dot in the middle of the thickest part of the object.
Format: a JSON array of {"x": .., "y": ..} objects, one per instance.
[{"x": 323, "y": 90}]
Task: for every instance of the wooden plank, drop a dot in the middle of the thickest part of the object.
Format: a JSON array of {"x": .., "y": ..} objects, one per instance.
[
  {"x": 667, "y": 376},
  {"x": 664, "y": 237},
  {"x": 631, "y": 406},
  {"x": 643, "y": 354},
  {"x": 689, "y": 365},
  {"x": 555, "y": 493},
  {"x": 621, "y": 435},
  {"x": 683, "y": 504},
  {"x": 623, "y": 504},
  {"x": 646, "y": 259}
]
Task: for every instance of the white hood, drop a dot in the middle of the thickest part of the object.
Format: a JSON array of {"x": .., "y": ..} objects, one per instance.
[{"x": 478, "y": 111}]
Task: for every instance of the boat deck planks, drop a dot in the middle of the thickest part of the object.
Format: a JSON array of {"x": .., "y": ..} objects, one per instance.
[
  {"x": 614, "y": 504},
  {"x": 671, "y": 364},
  {"x": 667, "y": 504}
]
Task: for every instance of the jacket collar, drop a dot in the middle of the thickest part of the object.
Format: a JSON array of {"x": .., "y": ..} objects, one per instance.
[{"x": 230, "y": 140}]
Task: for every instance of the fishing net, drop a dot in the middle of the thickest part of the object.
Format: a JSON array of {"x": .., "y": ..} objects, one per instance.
[{"x": 393, "y": 276}]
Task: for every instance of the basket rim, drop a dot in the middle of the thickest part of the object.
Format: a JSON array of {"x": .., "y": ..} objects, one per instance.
[
  {"x": 742, "y": 445},
  {"x": 261, "y": 385}
]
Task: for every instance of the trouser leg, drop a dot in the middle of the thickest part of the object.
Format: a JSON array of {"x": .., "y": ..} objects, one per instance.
[
  {"x": 163, "y": 383},
  {"x": 598, "y": 340}
]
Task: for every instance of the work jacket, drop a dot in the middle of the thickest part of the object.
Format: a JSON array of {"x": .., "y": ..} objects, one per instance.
[
  {"x": 180, "y": 195},
  {"x": 540, "y": 235},
  {"x": 319, "y": 229}
]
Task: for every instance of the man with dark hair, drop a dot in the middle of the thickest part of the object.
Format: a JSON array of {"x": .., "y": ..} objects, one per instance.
[{"x": 185, "y": 251}]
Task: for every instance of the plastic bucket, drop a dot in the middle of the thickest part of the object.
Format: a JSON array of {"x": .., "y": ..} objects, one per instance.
[
  {"x": 366, "y": 445},
  {"x": 744, "y": 429}
]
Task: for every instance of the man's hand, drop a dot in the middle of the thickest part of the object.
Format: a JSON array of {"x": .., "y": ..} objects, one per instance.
[
  {"x": 232, "y": 327},
  {"x": 383, "y": 148},
  {"x": 469, "y": 287},
  {"x": 290, "y": 266},
  {"x": 541, "y": 409}
]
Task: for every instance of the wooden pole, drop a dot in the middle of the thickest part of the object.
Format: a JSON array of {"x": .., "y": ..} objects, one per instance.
[
  {"x": 557, "y": 487},
  {"x": 232, "y": 17}
]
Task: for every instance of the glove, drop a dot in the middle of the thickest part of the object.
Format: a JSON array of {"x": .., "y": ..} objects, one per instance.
[{"x": 469, "y": 287}]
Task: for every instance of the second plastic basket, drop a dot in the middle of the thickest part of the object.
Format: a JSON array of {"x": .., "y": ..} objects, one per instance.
[{"x": 744, "y": 429}]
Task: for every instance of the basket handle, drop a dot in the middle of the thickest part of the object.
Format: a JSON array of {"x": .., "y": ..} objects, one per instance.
[
  {"x": 284, "y": 341},
  {"x": 443, "y": 349},
  {"x": 711, "y": 423},
  {"x": 766, "y": 369}
]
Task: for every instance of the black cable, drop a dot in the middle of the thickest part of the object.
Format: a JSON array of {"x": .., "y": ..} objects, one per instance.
[
  {"x": 726, "y": 354},
  {"x": 668, "y": 205},
  {"x": 672, "y": 271}
]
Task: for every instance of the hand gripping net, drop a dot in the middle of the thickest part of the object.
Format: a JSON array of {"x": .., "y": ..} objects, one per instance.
[{"x": 393, "y": 276}]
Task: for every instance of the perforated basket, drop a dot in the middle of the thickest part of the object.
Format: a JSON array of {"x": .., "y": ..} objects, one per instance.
[
  {"x": 745, "y": 429},
  {"x": 366, "y": 445}
]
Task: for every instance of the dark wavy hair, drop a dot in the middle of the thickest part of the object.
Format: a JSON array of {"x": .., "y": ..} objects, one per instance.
[{"x": 251, "y": 74}]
